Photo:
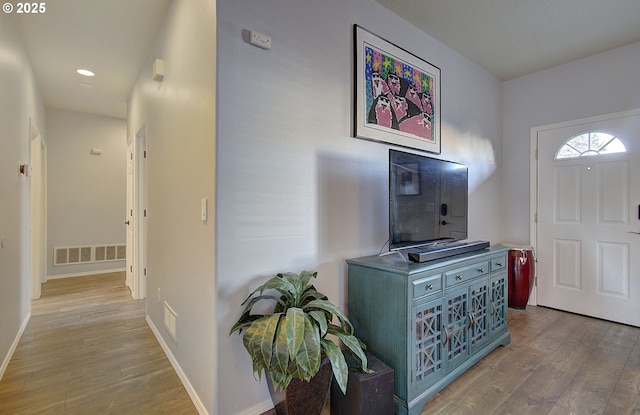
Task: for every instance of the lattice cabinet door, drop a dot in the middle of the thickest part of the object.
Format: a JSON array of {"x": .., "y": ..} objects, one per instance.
[
  {"x": 498, "y": 306},
  {"x": 478, "y": 314},
  {"x": 428, "y": 354},
  {"x": 456, "y": 326}
]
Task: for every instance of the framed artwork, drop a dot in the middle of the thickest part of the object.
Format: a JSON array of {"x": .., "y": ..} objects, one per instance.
[{"x": 397, "y": 95}]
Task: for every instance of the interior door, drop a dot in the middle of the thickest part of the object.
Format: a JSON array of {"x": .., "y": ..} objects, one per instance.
[
  {"x": 588, "y": 210},
  {"x": 140, "y": 214},
  {"x": 129, "y": 219}
]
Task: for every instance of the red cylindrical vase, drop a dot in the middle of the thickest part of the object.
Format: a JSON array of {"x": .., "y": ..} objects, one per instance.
[{"x": 521, "y": 276}]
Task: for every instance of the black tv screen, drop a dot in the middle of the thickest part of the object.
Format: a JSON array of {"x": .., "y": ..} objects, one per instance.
[{"x": 427, "y": 200}]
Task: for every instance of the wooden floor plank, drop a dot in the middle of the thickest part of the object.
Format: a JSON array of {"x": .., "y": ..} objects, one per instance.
[
  {"x": 557, "y": 364},
  {"x": 88, "y": 350}
]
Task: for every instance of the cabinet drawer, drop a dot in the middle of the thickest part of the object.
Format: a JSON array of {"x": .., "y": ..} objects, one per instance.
[
  {"x": 467, "y": 273},
  {"x": 498, "y": 263},
  {"x": 427, "y": 286}
]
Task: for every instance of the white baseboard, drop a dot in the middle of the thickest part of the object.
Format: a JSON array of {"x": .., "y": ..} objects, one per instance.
[
  {"x": 84, "y": 274},
  {"x": 14, "y": 345},
  {"x": 183, "y": 377},
  {"x": 259, "y": 408}
]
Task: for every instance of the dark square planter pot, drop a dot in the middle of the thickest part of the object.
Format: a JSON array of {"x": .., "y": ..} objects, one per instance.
[{"x": 303, "y": 398}]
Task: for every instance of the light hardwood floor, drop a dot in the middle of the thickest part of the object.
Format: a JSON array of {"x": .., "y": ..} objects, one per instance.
[
  {"x": 88, "y": 350},
  {"x": 557, "y": 364}
]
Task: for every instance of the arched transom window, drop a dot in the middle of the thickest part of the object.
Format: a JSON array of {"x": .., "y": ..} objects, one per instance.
[{"x": 591, "y": 143}]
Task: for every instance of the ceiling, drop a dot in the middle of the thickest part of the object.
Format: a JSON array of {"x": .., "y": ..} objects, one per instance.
[
  {"x": 512, "y": 38},
  {"x": 509, "y": 38},
  {"x": 109, "y": 37}
]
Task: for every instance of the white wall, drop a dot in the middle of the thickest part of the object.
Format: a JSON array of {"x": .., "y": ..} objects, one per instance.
[
  {"x": 20, "y": 102},
  {"x": 602, "y": 84},
  {"x": 86, "y": 192},
  {"x": 295, "y": 190},
  {"x": 180, "y": 117}
]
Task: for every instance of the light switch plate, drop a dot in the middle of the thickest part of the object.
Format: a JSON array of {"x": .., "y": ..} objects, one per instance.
[{"x": 204, "y": 208}]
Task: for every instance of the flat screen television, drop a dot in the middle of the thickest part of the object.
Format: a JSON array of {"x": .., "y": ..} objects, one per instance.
[{"x": 428, "y": 200}]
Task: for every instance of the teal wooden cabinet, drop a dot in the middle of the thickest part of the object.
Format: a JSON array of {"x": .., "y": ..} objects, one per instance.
[{"x": 430, "y": 321}]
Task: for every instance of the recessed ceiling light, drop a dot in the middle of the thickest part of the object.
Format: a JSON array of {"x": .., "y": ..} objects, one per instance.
[{"x": 85, "y": 72}]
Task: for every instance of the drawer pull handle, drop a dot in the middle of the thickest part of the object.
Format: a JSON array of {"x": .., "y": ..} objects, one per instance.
[
  {"x": 459, "y": 277},
  {"x": 429, "y": 287},
  {"x": 481, "y": 270},
  {"x": 499, "y": 264}
]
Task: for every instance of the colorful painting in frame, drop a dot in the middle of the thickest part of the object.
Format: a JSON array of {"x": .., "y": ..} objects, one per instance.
[{"x": 397, "y": 95}]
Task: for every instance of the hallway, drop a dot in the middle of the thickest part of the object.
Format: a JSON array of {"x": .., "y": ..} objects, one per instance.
[{"x": 88, "y": 350}]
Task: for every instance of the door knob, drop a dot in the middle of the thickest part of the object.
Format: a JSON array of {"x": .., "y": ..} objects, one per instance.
[{"x": 127, "y": 223}]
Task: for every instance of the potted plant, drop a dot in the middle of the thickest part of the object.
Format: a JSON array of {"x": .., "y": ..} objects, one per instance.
[{"x": 289, "y": 341}]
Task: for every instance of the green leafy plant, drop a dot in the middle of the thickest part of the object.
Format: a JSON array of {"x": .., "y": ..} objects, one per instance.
[{"x": 288, "y": 342}]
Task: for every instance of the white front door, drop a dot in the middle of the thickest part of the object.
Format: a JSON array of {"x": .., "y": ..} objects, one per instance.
[{"x": 588, "y": 210}]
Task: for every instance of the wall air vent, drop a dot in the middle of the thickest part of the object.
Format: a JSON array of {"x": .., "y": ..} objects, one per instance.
[
  {"x": 72, "y": 255},
  {"x": 101, "y": 253},
  {"x": 67, "y": 255},
  {"x": 110, "y": 252}
]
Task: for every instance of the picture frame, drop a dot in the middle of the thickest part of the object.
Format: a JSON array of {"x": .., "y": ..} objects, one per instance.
[{"x": 397, "y": 95}]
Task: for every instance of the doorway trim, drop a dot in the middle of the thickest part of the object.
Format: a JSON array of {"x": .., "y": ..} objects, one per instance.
[
  {"x": 38, "y": 210},
  {"x": 136, "y": 214}
]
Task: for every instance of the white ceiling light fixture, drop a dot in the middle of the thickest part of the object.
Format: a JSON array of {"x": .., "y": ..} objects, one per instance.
[{"x": 85, "y": 72}]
